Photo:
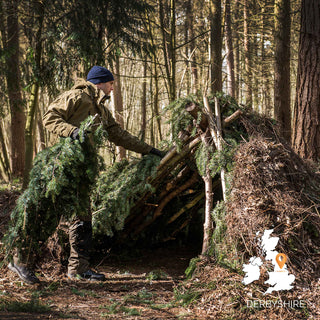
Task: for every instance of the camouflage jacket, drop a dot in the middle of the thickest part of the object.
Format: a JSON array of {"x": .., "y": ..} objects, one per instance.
[{"x": 66, "y": 113}]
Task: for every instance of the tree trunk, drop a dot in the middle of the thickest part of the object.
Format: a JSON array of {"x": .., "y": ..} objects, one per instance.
[
  {"x": 31, "y": 111},
  {"x": 247, "y": 58},
  {"x": 229, "y": 49},
  {"x": 237, "y": 51},
  {"x": 165, "y": 47},
  {"x": 144, "y": 101},
  {"x": 266, "y": 103},
  {"x": 4, "y": 159},
  {"x": 34, "y": 97},
  {"x": 282, "y": 110},
  {"x": 40, "y": 127},
  {"x": 192, "y": 47},
  {"x": 306, "y": 124},
  {"x": 215, "y": 46},
  {"x": 118, "y": 105},
  {"x": 173, "y": 49},
  {"x": 156, "y": 98},
  {"x": 11, "y": 44}
]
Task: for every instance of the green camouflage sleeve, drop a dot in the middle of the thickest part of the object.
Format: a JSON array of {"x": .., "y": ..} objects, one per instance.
[
  {"x": 122, "y": 137},
  {"x": 55, "y": 119}
]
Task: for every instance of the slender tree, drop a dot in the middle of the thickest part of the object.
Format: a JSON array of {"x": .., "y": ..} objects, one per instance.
[
  {"x": 266, "y": 98},
  {"x": 34, "y": 94},
  {"x": 236, "y": 38},
  {"x": 282, "y": 110},
  {"x": 144, "y": 101},
  {"x": 10, "y": 39},
  {"x": 5, "y": 171},
  {"x": 216, "y": 45},
  {"x": 247, "y": 54},
  {"x": 168, "y": 33},
  {"x": 173, "y": 49},
  {"x": 191, "y": 48},
  {"x": 231, "y": 86},
  {"x": 118, "y": 103}
]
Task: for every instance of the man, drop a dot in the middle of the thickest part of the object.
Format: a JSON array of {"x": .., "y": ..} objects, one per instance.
[{"x": 63, "y": 119}]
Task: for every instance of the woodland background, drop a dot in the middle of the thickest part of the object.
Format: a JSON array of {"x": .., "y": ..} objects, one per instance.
[{"x": 263, "y": 53}]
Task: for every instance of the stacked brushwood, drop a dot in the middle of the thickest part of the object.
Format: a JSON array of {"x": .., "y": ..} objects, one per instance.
[{"x": 273, "y": 188}]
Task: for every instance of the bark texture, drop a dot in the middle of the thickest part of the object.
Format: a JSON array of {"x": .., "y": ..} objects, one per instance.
[
  {"x": 306, "y": 125},
  {"x": 282, "y": 110}
]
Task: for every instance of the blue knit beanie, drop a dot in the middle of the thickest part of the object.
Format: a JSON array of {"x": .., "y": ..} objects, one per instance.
[{"x": 99, "y": 75}]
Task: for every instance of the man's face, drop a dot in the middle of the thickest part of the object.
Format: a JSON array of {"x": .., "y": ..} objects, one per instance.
[{"x": 106, "y": 87}]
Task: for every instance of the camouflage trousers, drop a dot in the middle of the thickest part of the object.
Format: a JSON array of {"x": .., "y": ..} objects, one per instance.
[{"x": 80, "y": 239}]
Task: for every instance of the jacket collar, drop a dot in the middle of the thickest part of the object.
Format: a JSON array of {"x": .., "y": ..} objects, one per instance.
[
  {"x": 98, "y": 94},
  {"x": 94, "y": 92}
]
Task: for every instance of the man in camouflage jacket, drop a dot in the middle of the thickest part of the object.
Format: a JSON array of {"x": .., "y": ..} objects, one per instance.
[{"x": 63, "y": 119}]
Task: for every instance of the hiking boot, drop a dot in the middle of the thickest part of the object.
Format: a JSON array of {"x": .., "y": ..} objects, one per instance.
[
  {"x": 88, "y": 275},
  {"x": 24, "y": 273}
]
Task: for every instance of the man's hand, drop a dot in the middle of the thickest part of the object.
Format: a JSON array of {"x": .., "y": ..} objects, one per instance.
[
  {"x": 157, "y": 152},
  {"x": 75, "y": 134}
]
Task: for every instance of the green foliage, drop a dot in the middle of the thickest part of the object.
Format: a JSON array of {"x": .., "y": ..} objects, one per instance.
[
  {"x": 117, "y": 190},
  {"x": 157, "y": 275},
  {"x": 202, "y": 157},
  {"x": 216, "y": 160},
  {"x": 224, "y": 254},
  {"x": 117, "y": 307},
  {"x": 119, "y": 20},
  {"x": 84, "y": 293},
  {"x": 186, "y": 296},
  {"x": 218, "y": 214},
  {"x": 228, "y": 104},
  {"x": 59, "y": 185},
  {"x": 180, "y": 119},
  {"x": 192, "y": 267},
  {"x": 224, "y": 158},
  {"x": 143, "y": 296},
  {"x": 33, "y": 306}
]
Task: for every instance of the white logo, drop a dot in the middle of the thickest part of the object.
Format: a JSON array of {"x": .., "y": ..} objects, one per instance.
[{"x": 279, "y": 279}]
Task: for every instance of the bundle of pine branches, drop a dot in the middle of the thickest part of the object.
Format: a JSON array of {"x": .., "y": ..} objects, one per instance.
[
  {"x": 60, "y": 185},
  {"x": 117, "y": 190}
]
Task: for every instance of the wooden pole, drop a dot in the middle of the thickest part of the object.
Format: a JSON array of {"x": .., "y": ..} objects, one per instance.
[
  {"x": 215, "y": 128},
  {"x": 207, "y": 179},
  {"x": 220, "y": 143}
]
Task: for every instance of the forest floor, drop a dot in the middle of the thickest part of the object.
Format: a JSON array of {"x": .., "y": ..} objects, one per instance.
[
  {"x": 150, "y": 286},
  {"x": 142, "y": 287}
]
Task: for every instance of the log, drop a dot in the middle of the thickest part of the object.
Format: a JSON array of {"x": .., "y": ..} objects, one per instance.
[
  {"x": 164, "y": 202},
  {"x": 194, "y": 111},
  {"x": 136, "y": 218},
  {"x": 188, "y": 206},
  {"x": 172, "y": 183},
  {"x": 184, "y": 137},
  {"x": 172, "y": 236},
  {"x": 231, "y": 118},
  {"x": 167, "y": 167}
]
